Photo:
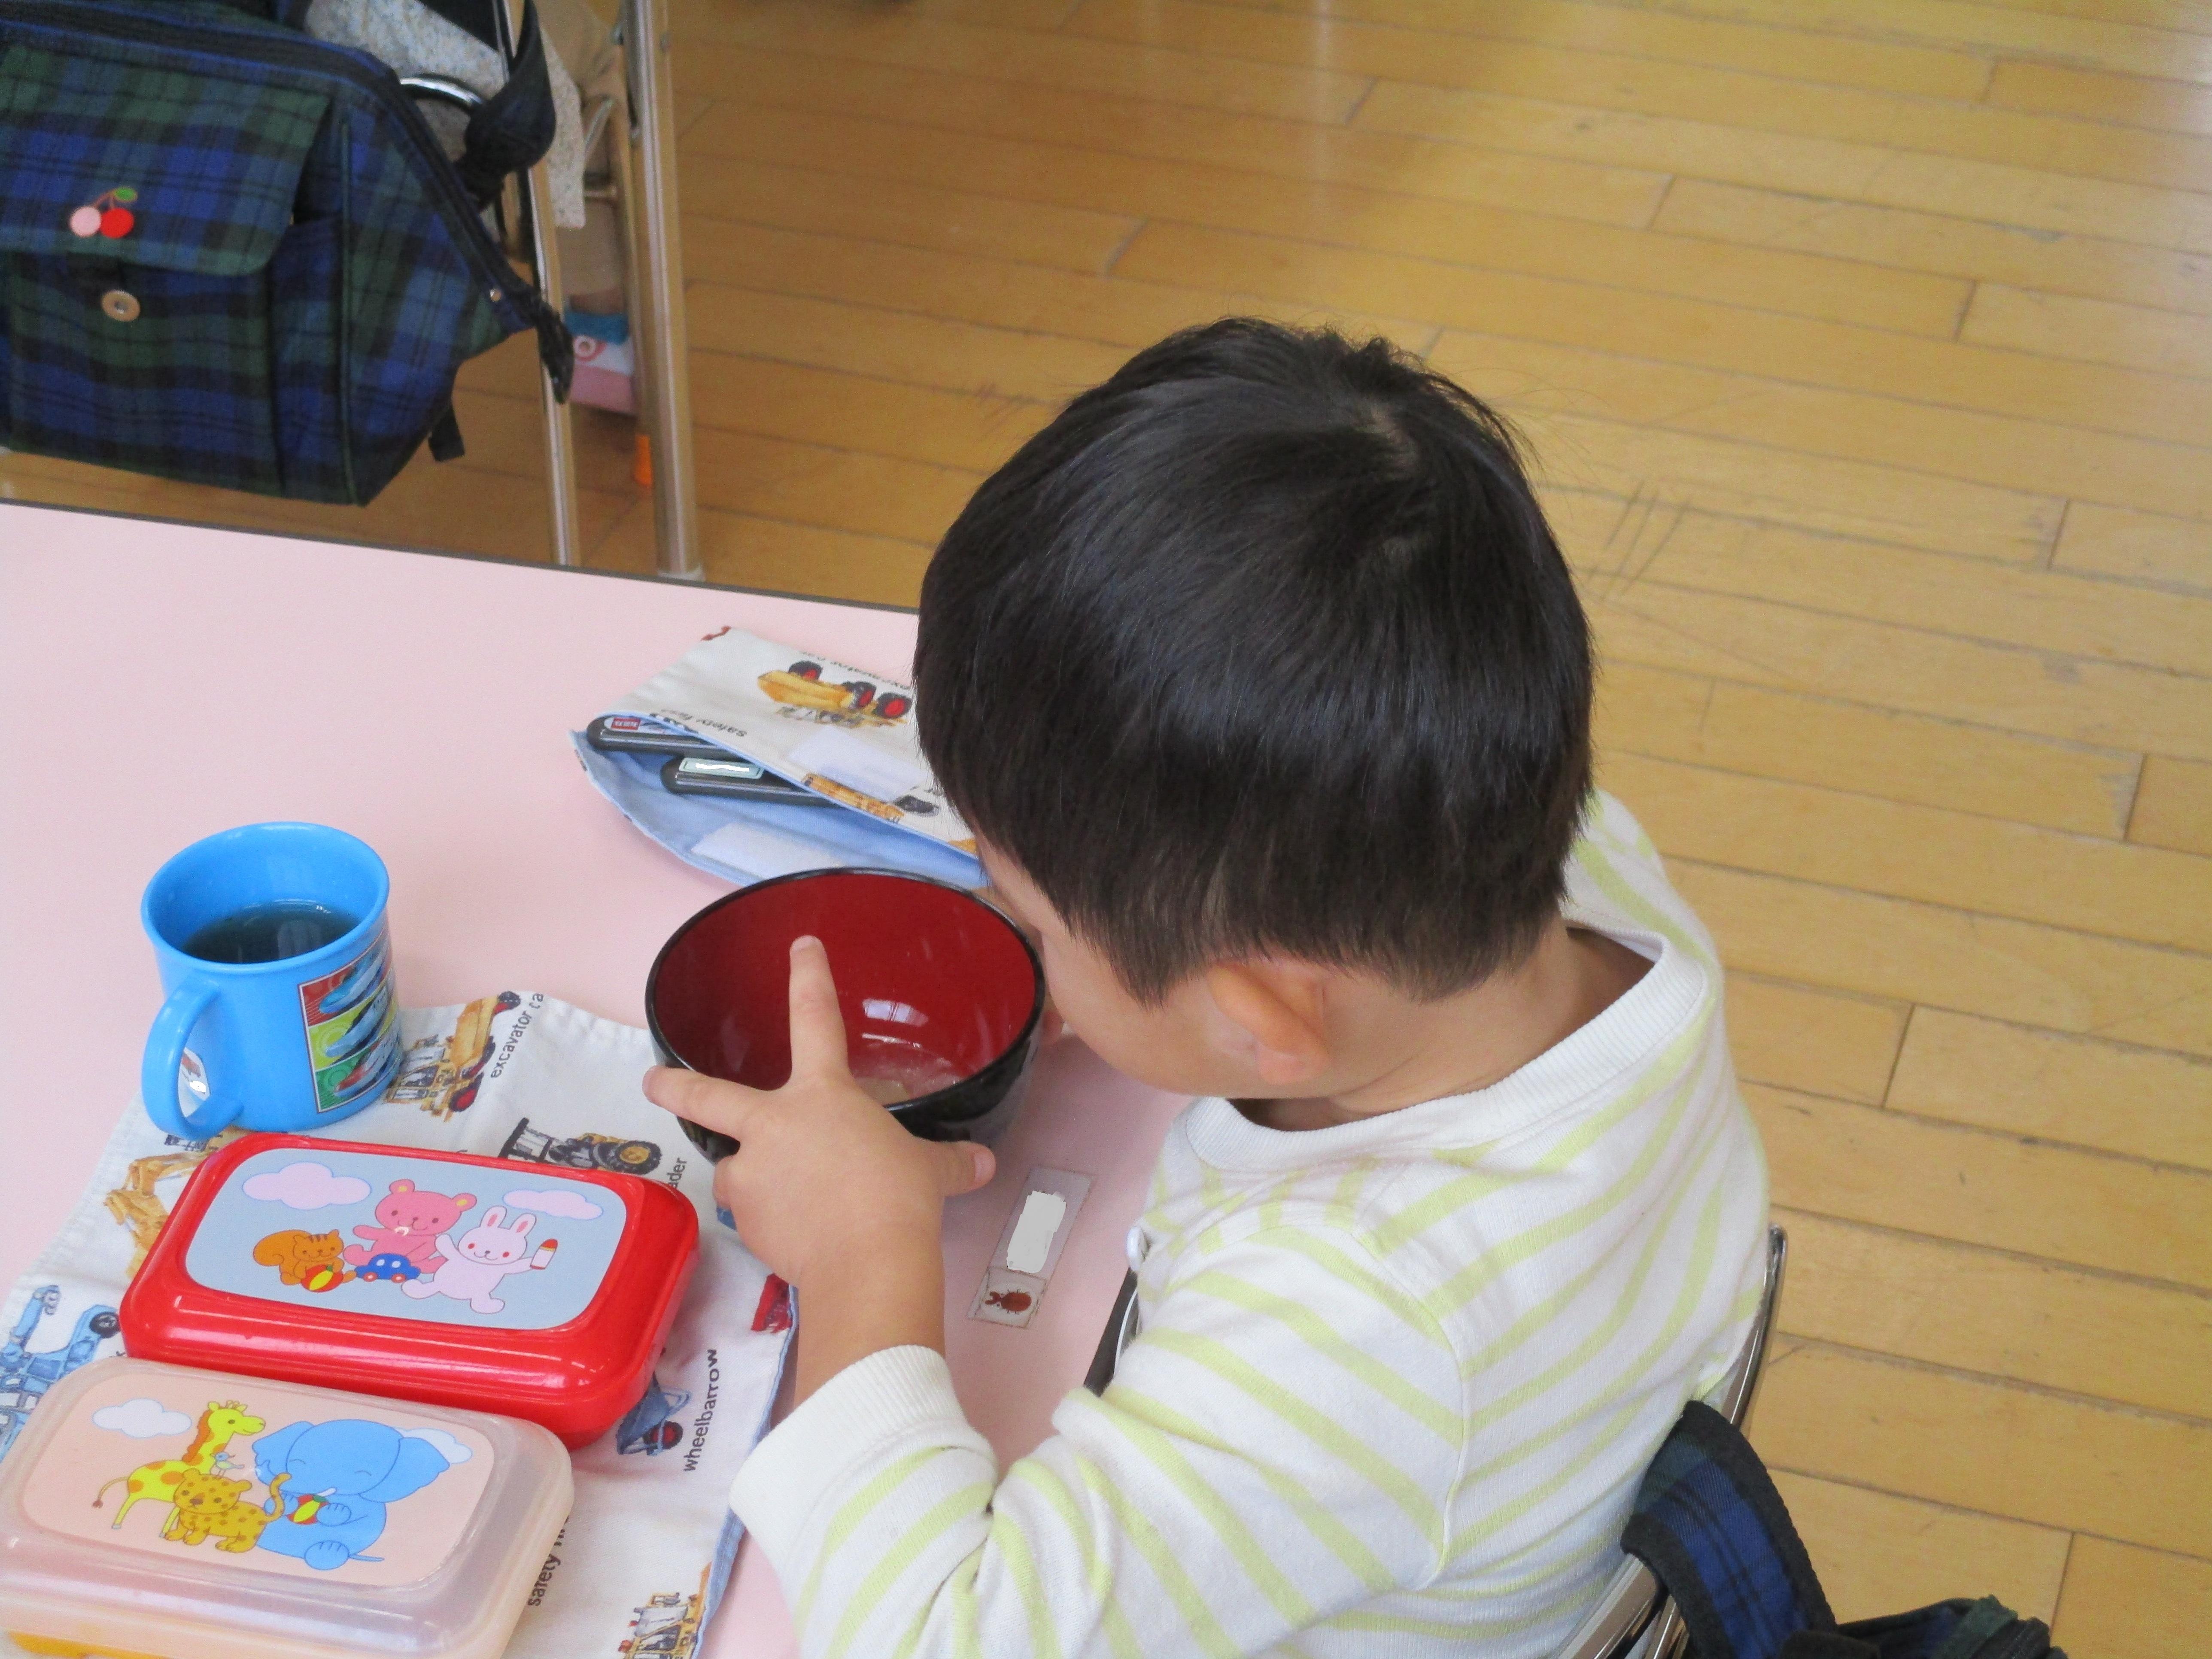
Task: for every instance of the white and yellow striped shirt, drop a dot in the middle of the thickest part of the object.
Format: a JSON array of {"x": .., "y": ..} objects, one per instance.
[{"x": 1397, "y": 1381}]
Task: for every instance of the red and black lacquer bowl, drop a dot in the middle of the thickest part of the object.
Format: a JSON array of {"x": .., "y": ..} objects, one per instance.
[{"x": 942, "y": 998}]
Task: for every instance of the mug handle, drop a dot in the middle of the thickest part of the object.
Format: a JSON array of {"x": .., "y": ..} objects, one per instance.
[{"x": 165, "y": 1054}]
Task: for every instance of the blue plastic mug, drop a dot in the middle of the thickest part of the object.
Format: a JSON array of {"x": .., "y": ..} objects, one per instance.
[{"x": 288, "y": 1043}]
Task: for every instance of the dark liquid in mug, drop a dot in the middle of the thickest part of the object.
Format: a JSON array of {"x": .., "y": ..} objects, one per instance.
[{"x": 269, "y": 933}]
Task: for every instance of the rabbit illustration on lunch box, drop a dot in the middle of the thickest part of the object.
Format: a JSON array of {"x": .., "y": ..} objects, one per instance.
[{"x": 486, "y": 1253}]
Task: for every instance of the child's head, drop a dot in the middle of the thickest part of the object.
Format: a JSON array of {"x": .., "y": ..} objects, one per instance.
[{"x": 1263, "y": 649}]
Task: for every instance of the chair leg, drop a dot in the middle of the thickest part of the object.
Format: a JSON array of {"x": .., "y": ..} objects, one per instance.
[
  {"x": 662, "y": 352},
  {"x": 545, "y": 260},
  {"x": 560, "y": 433}
]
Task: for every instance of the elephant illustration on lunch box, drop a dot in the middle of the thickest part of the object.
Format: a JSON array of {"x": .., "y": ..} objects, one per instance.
[{"x": 332, "y": 1483}]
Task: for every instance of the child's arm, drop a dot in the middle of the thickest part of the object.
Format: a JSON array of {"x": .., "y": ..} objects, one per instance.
[
  {"x": 830, "y": 1191},
  {"x": 1278, "y": 1447},
  {"x": 1277, "y": 1451}
]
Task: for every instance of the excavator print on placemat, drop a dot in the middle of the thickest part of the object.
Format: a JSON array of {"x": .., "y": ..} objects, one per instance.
[
  {"x": 140, "y": 1206},
  {"x": 25, "y": 1376},
  {"x": 443, "y": 1073}
]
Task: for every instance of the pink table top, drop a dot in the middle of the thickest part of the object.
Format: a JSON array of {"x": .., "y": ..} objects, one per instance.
[{"x": 161, "y": 682}]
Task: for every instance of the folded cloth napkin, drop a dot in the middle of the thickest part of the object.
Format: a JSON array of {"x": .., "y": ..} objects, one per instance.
[
  {"x": 836, "y": 731},
  {"x": 649, "y": 1544}
]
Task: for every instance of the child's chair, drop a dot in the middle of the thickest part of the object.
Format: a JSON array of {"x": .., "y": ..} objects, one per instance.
[{"x": 1633, "y": 1620}]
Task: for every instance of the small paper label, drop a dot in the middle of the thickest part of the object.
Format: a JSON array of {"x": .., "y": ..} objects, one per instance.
[
  {"x": 1030, "y": 1247},
  {"x": 1040, "y": 1218}
]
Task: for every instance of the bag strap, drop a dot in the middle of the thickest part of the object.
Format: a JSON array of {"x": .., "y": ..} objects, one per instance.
[
  {"x": 1713, "y": 1530},
  {"x": 511, "y": 131},
  {"x": 445, "y": 443},
  {"x": 473, "y": 16},
  {"x": 1710, "y": 1526}
]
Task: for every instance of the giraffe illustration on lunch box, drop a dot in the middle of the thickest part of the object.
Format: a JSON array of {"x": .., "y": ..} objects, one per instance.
[
  {"x": 349, "y": 1485},
  {"x": 156, "y": 1482},
  {"x": 338, "y": 1522}
]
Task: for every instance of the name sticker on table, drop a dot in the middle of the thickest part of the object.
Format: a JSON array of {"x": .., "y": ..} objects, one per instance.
[
  {"x": 408, "y": 1239},
  {"x": 1028, "y": 1247}
]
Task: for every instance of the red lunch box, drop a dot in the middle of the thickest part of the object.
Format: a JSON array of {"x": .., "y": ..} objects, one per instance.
[{"x": 446, "y": 1278}]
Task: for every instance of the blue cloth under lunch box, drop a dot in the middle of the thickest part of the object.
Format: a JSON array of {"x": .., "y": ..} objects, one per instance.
[{"x": 763, "y": 839}]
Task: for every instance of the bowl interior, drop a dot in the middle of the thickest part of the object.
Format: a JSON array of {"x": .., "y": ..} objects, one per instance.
[{"x": 933, "y": 984}]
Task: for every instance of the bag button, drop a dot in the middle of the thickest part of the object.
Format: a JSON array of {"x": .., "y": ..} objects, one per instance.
[{"x": 122, "y": 307}]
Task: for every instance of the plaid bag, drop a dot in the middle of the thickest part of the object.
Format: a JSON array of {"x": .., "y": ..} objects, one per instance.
[
  {"x": 1710, "y": 1526},
  {"x": 232, "y": 254}
]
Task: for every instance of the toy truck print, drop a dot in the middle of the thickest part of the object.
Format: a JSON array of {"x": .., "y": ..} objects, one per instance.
[
  {"x": 801, "y": 689},
  {"x": 584, "y": 1151},
  {"x": 667, "y": 1627}
]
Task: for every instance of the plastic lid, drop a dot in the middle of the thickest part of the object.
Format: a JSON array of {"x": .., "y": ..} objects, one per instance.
[{"x": 154, "y": 1509}]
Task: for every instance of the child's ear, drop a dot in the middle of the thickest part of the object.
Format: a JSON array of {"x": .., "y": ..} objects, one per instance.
[{"x": 1277, "y": 1011}]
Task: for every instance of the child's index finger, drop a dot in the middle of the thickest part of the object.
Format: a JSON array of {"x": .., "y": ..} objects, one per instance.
[
  {"x": 817, "y": 1029},
  {"x": 704, "y": 1100}
]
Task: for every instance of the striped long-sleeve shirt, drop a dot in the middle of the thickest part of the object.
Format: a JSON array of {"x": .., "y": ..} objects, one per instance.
[{"x": 1397, "y": 1378}]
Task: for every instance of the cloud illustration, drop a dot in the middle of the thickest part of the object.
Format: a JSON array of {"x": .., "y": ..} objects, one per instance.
[
  {"x": 141, "y": 1418},
  {"x": 447, "y": 1448},
  {"x": 306, "y": 1186},
  {"x": 557, "y": 1200}
]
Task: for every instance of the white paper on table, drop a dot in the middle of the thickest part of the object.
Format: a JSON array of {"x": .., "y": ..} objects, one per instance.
[{"x": 766, "y": 853}]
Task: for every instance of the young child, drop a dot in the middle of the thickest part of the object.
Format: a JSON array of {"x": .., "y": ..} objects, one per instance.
[{"x": 1267, "y": 693}]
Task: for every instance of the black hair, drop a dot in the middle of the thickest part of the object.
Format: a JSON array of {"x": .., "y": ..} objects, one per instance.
[{"x": 1264, "y": 647}]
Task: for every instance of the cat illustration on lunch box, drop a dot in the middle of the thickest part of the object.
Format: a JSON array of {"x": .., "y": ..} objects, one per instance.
[{"x": 487, "y": 1253}]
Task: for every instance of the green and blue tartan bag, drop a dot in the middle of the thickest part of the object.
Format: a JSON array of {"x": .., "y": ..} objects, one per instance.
[{"x": 233, "y": 254}]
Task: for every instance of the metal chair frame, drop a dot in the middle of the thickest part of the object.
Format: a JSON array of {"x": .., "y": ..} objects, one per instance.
[
  {"x": 640, "y": 182},
  {"x": 1633, "y": 1618}
]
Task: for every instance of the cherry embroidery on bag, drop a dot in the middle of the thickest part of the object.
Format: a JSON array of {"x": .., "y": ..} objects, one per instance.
[{"x": 107, "y": 215}]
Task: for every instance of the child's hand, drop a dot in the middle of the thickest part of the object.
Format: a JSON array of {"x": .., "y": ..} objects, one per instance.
[{"x": 827, "y": 1189}]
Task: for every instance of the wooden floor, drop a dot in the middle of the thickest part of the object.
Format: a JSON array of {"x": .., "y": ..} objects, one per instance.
[{"x": 1867, "y": 348}]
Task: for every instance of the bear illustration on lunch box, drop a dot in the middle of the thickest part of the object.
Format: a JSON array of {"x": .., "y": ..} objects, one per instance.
[
  {"x": 409, "y": 1224},
  {"x": 525, "y": 1251},
  {"x": 447, "y": 1278}
]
